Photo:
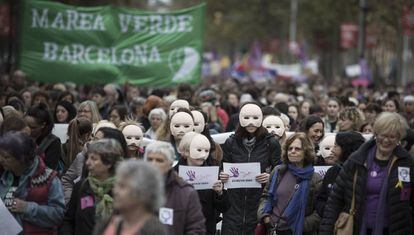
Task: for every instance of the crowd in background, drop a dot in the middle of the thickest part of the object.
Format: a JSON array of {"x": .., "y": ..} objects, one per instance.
[{"x": 103, "y": 179}]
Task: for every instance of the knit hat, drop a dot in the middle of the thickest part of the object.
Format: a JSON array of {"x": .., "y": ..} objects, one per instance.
[
  {"x": 349, "y": 141},
  {"x": 69, "y": 107}
]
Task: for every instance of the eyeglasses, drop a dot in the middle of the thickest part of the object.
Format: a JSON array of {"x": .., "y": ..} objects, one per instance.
[{"x": 392, "y": 138}]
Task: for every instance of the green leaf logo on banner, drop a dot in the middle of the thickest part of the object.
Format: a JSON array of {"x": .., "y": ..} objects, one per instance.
[
  {"x": 89, "y": 45},
  {"x": 183, "y": 62}
]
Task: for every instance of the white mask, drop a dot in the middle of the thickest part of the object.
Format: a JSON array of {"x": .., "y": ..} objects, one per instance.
[
  {"x": 250, "y": 114},
  {"x": 274, "y": 125},
  {"x": 178, "y": 104},
  {"x": 181, "y": 123},
  {"x": 133, "y": 135},
  {"x": 199, "y": 147},
  {"x": 199, "y": 122},
  {"x": 326, "y": 146}
]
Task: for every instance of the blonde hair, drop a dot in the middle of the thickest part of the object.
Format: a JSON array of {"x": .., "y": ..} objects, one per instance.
[
  {"x": 185, "y": 142},
  {"x": 354, "y": 115},
  {"x": 102, "y": 123},
  {"x": 388, "y": 122},
  {"x": 96, "y": 117}
]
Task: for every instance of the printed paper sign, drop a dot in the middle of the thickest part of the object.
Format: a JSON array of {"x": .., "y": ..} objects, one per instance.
[
  {"x": 242, "y": 175},
  {"x": 200, "y": 177},
  {"x": 166, "y": 215},
  {"x": 321, "y": 170},
  {"x": 8, "y": 224},
  {"x": 404, "y": 174}
]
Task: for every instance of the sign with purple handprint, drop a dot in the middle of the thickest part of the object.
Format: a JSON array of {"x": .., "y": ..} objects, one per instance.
[
  {"x": 242, "y": 175},
  {"x": 201, "y": 177}
]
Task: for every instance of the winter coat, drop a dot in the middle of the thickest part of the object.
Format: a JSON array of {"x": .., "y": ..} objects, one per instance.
[
  {"x": 400, "y": 218},
  {"x": 73, "y": 175},
  {"x": 312, "y": 218},
  {"x": 80, "y": 215},
  {"x": 211, "y": 203},
  {"x": 326, "y": 188},
  {"x": 188, "y": 217},
  {"x": 241, "y": 217},
  {"x": 41, "y": 189},
  {"x": 51, "y": 148},
  {"x": 152, "y": 226}
]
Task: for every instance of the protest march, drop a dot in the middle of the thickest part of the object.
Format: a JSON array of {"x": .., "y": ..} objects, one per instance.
[{"x": 204, "y": 117}]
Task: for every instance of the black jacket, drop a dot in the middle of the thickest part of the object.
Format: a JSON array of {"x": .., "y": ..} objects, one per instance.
[
  {"x": 79, "y": 221},
  {"x": 326, "y": 188},
  {"x": 400, "y": 211},
  {"x": 211, "y": 203},
  {"x": 241, "y": 217}
]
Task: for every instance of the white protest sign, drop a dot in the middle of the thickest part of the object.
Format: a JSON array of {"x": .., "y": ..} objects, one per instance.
[
  {"x": 321, "y": 170},
  {"x": 61, "y": 131},
  {"x": 8, "y": 224},
  {"x": 200, "y": 177},
  {"x": 242, "y": 175}
]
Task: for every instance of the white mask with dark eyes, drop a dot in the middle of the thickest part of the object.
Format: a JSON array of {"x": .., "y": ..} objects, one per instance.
[
  {"x": 176, "y": 105},
  {"x": 199, "y": 147},
  {"x": 133, "y": 135},
  {"x": 274, "y": 125},
  {"x": 326, "y": 146},
  {"x": 199, "y": 122},
  {"x": 181, "y": 123},
  {"x": 250, "y": 115}
]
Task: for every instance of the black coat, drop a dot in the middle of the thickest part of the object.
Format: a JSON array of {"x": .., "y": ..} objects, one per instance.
[
  {"x": 211, "y": 203},
  {"x": 326, "y": 188},
  {"x": 400, "y": 211},
  {"x": 241, "y": 218},
  {"x": 79, "y": 221}
]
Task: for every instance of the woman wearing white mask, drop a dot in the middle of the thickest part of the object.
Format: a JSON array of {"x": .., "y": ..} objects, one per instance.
[
  {"x": 195, "y": 150},
  {"x": 201, "y": 126},
  {"x": 275, "y": 126},
  {"x": 250, "y": 143},
  {"x": 181, "y": 123},
  {"x": 133, "y": 134}
]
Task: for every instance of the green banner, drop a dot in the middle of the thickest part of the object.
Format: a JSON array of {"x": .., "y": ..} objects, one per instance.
[{"x": 90, "y": 45}]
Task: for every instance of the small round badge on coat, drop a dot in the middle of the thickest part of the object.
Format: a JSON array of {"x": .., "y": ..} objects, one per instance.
[{"x": 374, "y": 174}]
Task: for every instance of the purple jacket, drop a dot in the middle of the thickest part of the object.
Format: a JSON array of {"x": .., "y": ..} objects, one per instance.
[{"x": 188, "y": 216}]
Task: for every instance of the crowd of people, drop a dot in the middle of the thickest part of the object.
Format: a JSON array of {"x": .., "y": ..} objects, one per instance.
[{"x": 118, "y": 171}]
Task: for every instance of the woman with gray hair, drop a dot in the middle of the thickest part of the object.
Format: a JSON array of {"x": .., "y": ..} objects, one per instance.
[
  {"x": 156, "y": 117},
  {"x": 380, "y": 176},
  {"x": 88, "y": 109},
  {"x": 91, "y": 199},
  {"x": 182, "y": 212},
  {"x": 138, "y": 195}
]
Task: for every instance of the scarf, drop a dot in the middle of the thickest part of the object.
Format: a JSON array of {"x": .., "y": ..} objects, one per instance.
[
  {"x": 295, "y": 210},
  {"x": 382, "y": 199},
  {"x": 249, "y": 143},
  {"x": 101, "y": 190}
]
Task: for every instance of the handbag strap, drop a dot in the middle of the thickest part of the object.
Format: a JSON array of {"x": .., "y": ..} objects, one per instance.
[{"x": 352, "y": 210}]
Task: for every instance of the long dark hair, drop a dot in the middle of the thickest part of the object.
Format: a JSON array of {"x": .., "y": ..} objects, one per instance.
[
  {"x": 242, "y": 133},
  {"x": 42, "y": 115},
  {"x": 206, "y": 131}
]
